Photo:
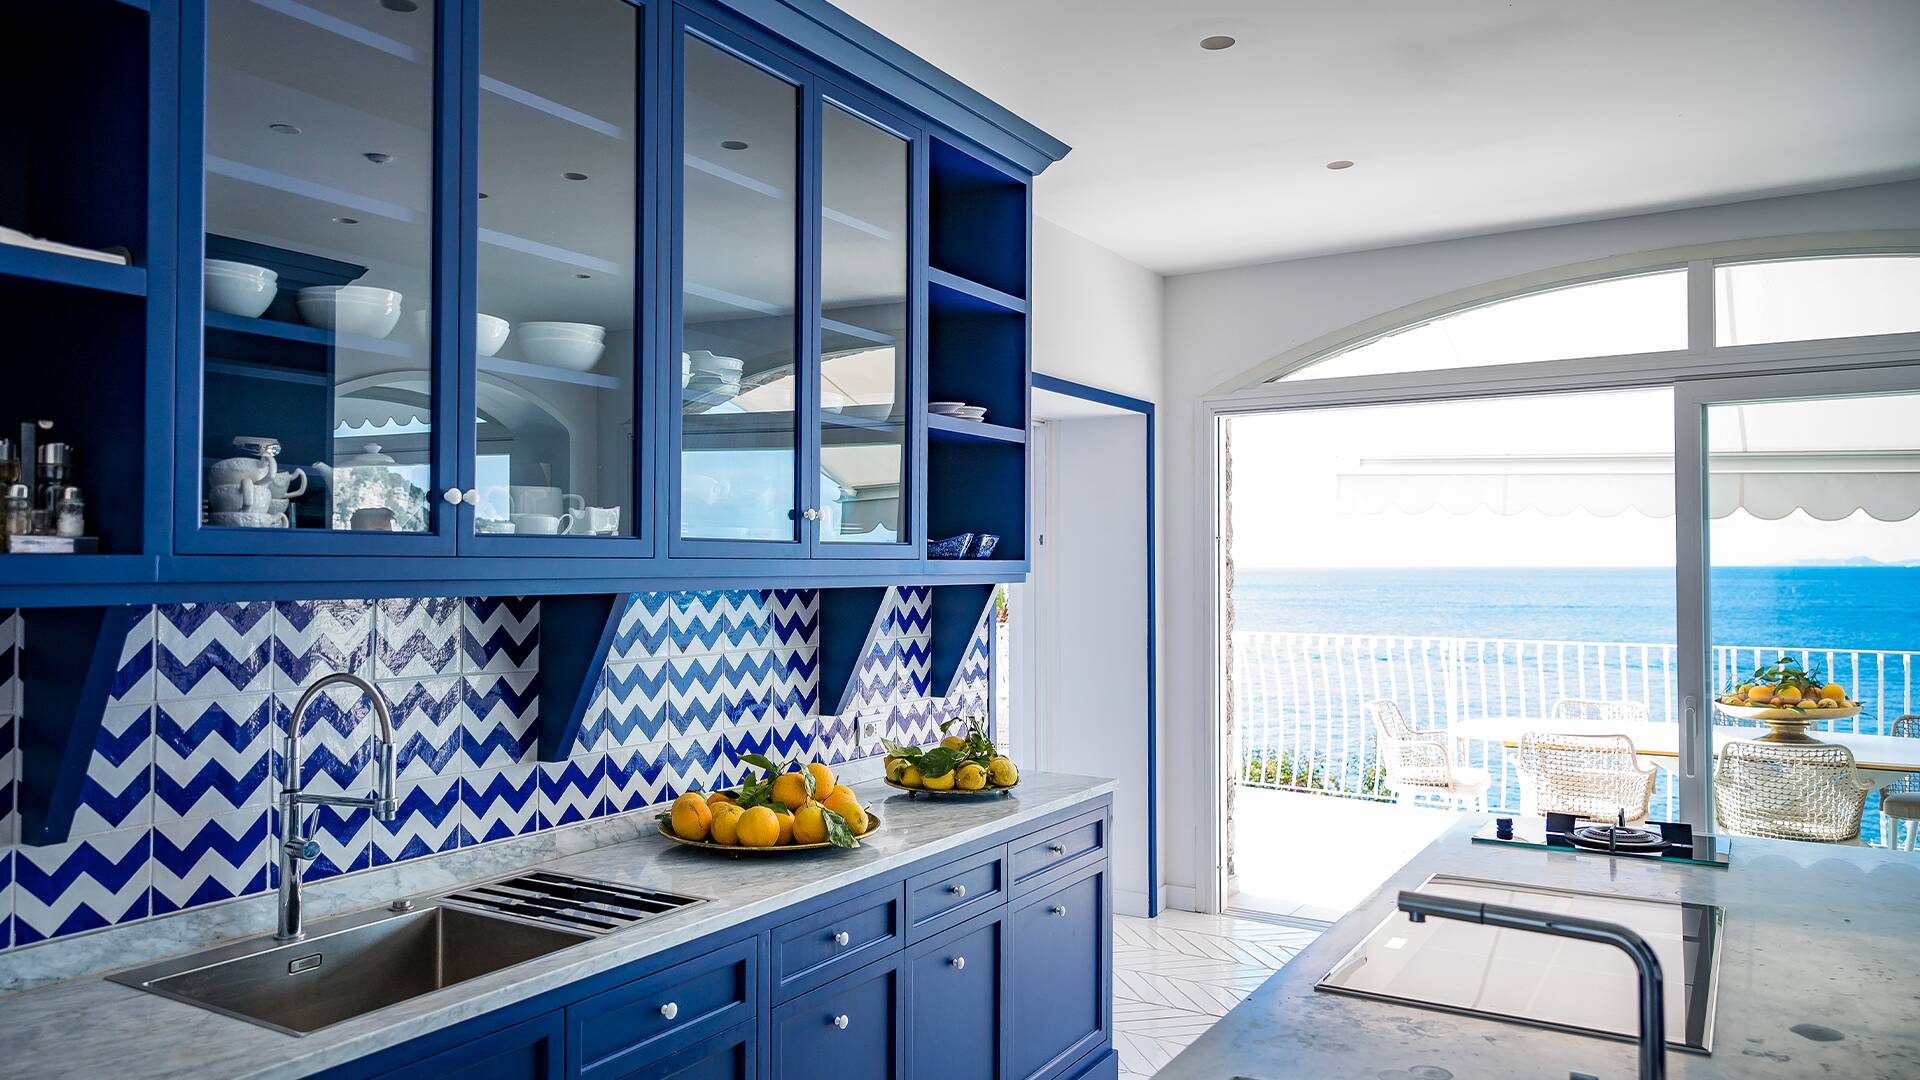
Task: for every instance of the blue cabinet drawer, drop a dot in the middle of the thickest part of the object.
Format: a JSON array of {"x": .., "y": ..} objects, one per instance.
[
  {"x": 950, "y": 895},
  {"x": 811, "y": 950},
  {"x": 953, "y": 1002},
  {"x": 733, "y": 1054},
  {"x": 613, "y": 1033},
  {"x": 1057, "y": 850},
  {"x": 1060, "y": 997},
  {"x": 848, "y": 1029},
  {"x": 526, "y": 1051}
]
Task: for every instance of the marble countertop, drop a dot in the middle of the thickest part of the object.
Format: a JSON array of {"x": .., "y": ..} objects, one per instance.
[
  {"x": 1815, "y": 934},
  {"x": 91, "y": 1027}
]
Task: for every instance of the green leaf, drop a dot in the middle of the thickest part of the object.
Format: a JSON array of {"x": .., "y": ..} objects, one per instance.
[
  {"x": 837, "y": 832},
  {"x": 760, "y": 761},
  {"x": 912, "y": 754},
  {"x": 939, "y": 761}
]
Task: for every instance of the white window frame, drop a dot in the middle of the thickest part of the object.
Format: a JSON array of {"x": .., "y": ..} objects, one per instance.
[{"x": 1842, "y": 365}]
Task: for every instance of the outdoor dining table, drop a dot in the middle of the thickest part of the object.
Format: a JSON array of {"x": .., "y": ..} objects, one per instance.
[{"x": 1661, "y": 742}]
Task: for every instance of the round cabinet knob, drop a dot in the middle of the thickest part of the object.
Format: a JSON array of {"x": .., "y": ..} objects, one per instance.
[
  {"x": 958, "y": 890},
  {"x": 840, "y": 1021},
  {"x": 452, "y": 495},
  {"x": 812, "y": 514},
  {"x": 670, "y": 1010},
  {"x": 959, "y": 963},
  {"x": 1056, "y": 910},
  {"x": 1057, "y": 849},
  {"x": 842, "y": 938},
  {"x": 471, "y": 497}
]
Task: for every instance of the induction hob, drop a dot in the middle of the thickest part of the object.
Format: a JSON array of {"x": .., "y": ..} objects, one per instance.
[{"x": 1537, "y": 979}]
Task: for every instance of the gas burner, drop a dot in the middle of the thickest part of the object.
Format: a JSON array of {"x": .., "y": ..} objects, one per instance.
[{"x": 1617, "y": 838}]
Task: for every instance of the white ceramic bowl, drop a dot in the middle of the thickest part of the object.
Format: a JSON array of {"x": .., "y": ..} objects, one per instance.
[
  {"x": 577, "y": 330},
  {"x": 350, "y": 309},
  {"x": 240, "y": 288},
  {"x": 562, "y": 351},
  {"x": 490, "y": 331}
]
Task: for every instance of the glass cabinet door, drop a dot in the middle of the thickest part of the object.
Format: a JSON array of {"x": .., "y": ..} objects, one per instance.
[
  {"x": 862, "y": 377},
  {"x": 739, "y": 446},
  {"x": 320, "y": 402},
  {"x": 558, "y": 338}
]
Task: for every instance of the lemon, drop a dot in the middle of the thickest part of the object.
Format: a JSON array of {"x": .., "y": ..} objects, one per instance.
[
  {"x": 1003, "y": 772},
  {"x": 939, "y": 783},
  {"x": 809, "y": 825},
  {"x": 896, "y": 766},
  {"x": 758, "y": 827},
  {"x": 726, "y": 824},
  {"x": 953, "y": 742},
  {"x": 691, "y": 817},
  {"x": 791, "y": 788},
  {"x": 1835, "y": 691},
  {"x": 823, "y": 781},
  {"x": 786, "y": 825},
  {"x": 970, "y": 777},
  {"x": 1788, "y": 695},
  {"x": 910, "y": 777},
  {"x": 850, "y": 809}
]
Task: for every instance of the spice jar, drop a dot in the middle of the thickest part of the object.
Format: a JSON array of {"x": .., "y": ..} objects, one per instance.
[
  {"x": 69, "y": 513},
  {"x": 19, "y": 510}
]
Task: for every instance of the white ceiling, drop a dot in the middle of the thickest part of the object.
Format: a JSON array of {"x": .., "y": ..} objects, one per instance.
[{"x": 1464, "y": 117}]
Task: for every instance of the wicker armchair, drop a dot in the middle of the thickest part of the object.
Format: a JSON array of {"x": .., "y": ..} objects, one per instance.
[
  {"x": 1419, "y": 763},
  {"x": 1600, "y": 712},
  {"x": 1900, "y": 800},
  {"x": 1789, "y": 791},
  {"x": 1597, "y": 777}
]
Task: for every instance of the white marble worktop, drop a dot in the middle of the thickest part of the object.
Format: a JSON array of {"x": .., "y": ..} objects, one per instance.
[
  {"x": 91, "y": 1027},
  {"x": 1814, "y": 934}
]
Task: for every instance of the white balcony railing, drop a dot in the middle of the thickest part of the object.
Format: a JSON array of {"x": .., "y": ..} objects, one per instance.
[{"x": 1301, "y": 723}]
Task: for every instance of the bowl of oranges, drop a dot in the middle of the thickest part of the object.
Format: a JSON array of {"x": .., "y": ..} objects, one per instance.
[
  {"x": 962, "y": 766},
  {"x": 1789, "y": 698},
  {"x": 791, "y": 807}
]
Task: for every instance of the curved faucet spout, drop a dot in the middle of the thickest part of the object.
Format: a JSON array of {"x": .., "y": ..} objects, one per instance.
[{"x": 295, "y": 847}]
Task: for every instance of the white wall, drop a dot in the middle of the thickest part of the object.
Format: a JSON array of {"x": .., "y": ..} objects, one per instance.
[
  {"x": 1221, "y": 323},
  {"x": 1096, "y": 704}
]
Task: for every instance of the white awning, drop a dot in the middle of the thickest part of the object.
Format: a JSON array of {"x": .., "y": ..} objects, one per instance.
[{"x": 1771, "y": 485}]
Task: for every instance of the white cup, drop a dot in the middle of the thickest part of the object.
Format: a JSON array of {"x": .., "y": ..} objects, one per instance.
[
  {"x": 541, "y": 524},
  {"x": 602, "y": 520},
  {"x": 240, "y": 498},
  {"x": 535, "y": 499}
]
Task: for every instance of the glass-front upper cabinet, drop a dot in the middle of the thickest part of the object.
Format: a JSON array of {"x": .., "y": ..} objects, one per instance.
[
  {"x": 558, "y": 340},
  {"x": 321, "y": 409},
  {"x": 863, "y": 372},
  {"x": 739, "y": 468}
]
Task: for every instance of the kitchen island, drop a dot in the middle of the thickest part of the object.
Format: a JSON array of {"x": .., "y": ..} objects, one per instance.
[
  {"x": 1824, "y": 939},
  {"x": 1017, "y": 888}
]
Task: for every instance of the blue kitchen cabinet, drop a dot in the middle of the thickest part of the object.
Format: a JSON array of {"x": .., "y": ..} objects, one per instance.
[
  {"x": 955, "y": 998},
  {"x": 532, "y": 1050},
  {"x": 730, "y": 1055},
  {"x": 850, "y": 1027},
  {"x": 1059, "y": 959}
]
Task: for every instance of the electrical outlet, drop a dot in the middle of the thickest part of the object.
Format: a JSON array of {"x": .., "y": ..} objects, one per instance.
[{"x": 867, "y": 734}]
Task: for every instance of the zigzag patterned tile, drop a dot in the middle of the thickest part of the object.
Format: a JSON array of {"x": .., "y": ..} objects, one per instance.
[
  {"x": 497, "y": 716},
  {"x": 429, "y": 822},
  {"x": 894, "y": 668},
  {"x": 316, "y": 638},
  {"x": 793, "y": 617},
  {"x": 426, "y": 725},
  {"x": 907, "y": 611},
  {"x": 9, "y": 784},
  {"x": 644, "y": 630},
  {"x": 336, "y": 741},
  {"x": 345, "y": 836},
  {"x": 499, "y": 634},
  {"x": 118, "y": 790},
  {"x": 635, "y": 705},
  {"x": 134, "y": 682},
  {"x": 636, "y": 778},
  {"x": 213, "y": 650},
  {"x": 416, "y": 637},
  {"x": 571, "y": 790},
  {"x": 499, "y": 803},
  {"x": 206, "y": 858},
  {"x": 718, "y": 621},
  {"x": 794, "y": 683},
  {"x": 592, "y": 736},
  {"x": 714, "y": 692},
  {"x": 695, "y": 764},
  {"x": 837, "y": 740},
  {"x": 6, "y": 899},
  {"x": 211, "y": 757},
  {"x": 80, "y": 885},
  {"x": 784, "y": 740},
  {"x": 9, "y": 661}
]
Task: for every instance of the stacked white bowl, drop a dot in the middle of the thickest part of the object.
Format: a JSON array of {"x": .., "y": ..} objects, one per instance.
[
  {"x": 240, "y": 288},
  {"x": 350, "y": 309},
  {"x": 567, "y": 345},
  {"x": 490, "y": 331}
]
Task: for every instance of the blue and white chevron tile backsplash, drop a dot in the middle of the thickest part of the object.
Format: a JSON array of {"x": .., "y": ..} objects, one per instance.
[{"x": 177, "y": 807}]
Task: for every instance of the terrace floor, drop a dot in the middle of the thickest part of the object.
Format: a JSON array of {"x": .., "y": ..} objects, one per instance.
[{"x": 1312, "y": 858}]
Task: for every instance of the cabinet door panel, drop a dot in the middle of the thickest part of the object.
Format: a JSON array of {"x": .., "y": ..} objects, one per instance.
[
  {"x": 1058, "y": 954},
  {"x": 954, "y": 1003},
  {"x": 850, "y": 1028},
  {"x": 527, "y": 1051},
  {"x": 731, "y": 1055}
]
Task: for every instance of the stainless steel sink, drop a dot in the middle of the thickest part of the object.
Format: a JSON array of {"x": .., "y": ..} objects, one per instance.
[{"x": 349, "y": 966}]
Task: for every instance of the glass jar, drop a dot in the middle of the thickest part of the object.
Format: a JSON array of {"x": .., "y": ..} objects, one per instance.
[
  {"x": 69, "y": 513},
  {"x": 19, "y": 510}
]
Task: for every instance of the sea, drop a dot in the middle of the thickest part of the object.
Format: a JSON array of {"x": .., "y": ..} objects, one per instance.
[{"x": 1853, "y": 621}]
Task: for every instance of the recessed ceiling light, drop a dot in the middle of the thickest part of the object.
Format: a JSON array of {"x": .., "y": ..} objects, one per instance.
[
  {"x": 377, "y": 157},
  {"x": 732, "y": 144},
  {"x": 583, "y": 277},
  {"x": 573, "y": 176},
  {"x": 1217, "y": 42},
  {"x": 348, "y": 220},
  {"x": 404, "y": 7},
  {"x": 284, "y": 129},
  {"x": 1343, "y": 163}
]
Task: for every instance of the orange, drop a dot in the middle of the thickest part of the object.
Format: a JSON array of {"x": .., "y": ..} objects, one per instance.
[
  {"x": 716, "y": 799},
  {"x": 692, "y": 818},
  {"x": 809, "y": 825},
  {"x": 758, "y": 827},
  {"x": 791, "y": 788},
  {"x": 786, "y": 824},
  {"x": 726, "y": 824},
  {"x": 823, "y": 782},
  {"x": 848, "y": 807}
]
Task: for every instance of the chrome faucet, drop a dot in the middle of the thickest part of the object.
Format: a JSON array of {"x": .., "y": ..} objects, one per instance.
[
  {"x": 295, "y": 847},
  {"x": 1653, "y": 1009}
]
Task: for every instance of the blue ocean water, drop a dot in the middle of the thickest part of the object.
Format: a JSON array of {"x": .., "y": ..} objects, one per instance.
[{"x": 1866, "y": 608}]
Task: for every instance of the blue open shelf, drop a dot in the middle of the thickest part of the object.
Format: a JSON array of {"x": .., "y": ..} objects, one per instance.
[{"x": 45, "y": 266}]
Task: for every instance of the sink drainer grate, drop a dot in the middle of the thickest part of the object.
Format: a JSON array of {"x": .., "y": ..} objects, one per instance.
[{"x": 578, "y": 903}]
